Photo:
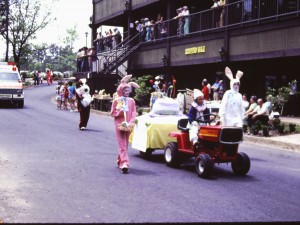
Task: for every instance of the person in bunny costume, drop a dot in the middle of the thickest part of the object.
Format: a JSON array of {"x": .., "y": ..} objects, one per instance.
[
  {"x": 123, "y": 110},
  {"x": 231, "y": 111},
  {"x": 84, "y": 100}
]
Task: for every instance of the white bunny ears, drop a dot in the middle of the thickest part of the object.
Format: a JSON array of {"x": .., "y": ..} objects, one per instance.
[{"x": 229, "y": 74}]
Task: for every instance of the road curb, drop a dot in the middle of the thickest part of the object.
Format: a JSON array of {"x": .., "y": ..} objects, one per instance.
[{"x": 270, "y": 142}]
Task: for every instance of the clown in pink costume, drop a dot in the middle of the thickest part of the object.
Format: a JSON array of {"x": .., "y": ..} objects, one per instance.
[
  {"x": 124, "y": 112},
  {"x": 232, "y": 111}
]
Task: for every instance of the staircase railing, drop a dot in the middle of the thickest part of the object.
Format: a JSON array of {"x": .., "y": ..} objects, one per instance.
[{"x": 113, "y": 59}]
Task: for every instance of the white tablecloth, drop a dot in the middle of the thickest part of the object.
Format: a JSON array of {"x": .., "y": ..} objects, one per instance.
[{"x": 153, "y": 132}]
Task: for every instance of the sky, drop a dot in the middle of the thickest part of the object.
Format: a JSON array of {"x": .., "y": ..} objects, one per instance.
[{"x": 68, "y": 13}]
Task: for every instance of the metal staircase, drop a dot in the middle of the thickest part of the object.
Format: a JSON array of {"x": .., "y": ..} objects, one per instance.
[{"x": 115, "y": 58}]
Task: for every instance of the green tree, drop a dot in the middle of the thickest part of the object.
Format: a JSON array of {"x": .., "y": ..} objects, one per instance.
[
  {"x": 26, "y": 17},
  {"x": 71, "y": 36},
  {"x": 142, "y": 94}
]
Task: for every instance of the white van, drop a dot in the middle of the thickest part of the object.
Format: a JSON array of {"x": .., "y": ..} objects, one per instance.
[{"x": 11, "y": 87}]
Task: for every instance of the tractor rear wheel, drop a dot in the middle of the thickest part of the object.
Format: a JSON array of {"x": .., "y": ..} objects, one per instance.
[
  {"x": 242, "y": 164},
  {"x": 204, "y": 165}
]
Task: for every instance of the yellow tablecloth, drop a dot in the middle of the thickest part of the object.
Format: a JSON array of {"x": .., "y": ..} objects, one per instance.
[{"x": 152, "y": 132}]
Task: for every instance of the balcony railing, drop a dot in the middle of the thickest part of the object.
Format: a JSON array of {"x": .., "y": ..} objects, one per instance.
[{"x": 238, "y": 14}]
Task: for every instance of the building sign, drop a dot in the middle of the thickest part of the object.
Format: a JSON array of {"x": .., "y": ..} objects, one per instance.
[{"x": 194, "y": 50}]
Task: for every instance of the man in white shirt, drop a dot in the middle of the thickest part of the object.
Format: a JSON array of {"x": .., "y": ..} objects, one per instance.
[{"x": 260, "y": 113}]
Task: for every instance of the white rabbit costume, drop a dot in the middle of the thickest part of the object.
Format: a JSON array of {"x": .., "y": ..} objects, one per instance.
[{"x": 232, "y": 111}]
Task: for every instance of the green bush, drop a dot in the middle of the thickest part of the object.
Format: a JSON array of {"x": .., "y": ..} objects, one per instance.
[
  {"x": 142, "y": 94},
  {"x": 280, "y": 128},
  {"x": 275, "y": 123},
  {"x": 265, "y": 130},
  {"x": 254, "y": 130},
  {"x": 292, "y": 127},
  {"x": 245, "y": 128}
]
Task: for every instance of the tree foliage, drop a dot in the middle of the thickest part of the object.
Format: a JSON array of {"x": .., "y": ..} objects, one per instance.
[{"x": 26, "y": 17}]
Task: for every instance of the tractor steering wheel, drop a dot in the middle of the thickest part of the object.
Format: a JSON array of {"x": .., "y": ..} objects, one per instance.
[{"x": 206, "y": 118}]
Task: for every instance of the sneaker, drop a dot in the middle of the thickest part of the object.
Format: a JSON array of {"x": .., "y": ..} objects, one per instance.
[
  {"x": 82, "y": 128},
  {"x": 71, "y": 110},
  {"x": 196, "y": 144},
  {"x": 124, "y": 169}
]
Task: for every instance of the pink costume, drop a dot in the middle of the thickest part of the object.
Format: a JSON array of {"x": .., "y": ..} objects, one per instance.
[{"x": 119, "y": 106}]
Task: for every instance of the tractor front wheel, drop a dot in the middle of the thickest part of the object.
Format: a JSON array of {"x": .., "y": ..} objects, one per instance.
[
  {"x": 204, "y": 165},
  {"x": 242, "y": 164},
  {"x": 171, "y": 154}
]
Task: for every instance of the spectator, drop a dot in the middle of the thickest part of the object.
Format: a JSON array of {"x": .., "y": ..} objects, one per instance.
[
  {"x": 109, "y": 39},
  {"x": 40, "y": 75},
  {"x": 159, "y": 23},
  {"x": 245, "y": 101},
  {"x": 92, "y": 58},
  {"x": 84, "y": 61},
  {"x": 148, "y": 30},
  {"x": 58, "y": 95},
  {"x": 187, "y": 19},
  {"x": 152, "y": 30},
  {"x": 143, "y": 22},
  {"x": 222, "y": 14},
  {"x": 216, "y": 88},
  {"x": 292, "y": 102},
  {"x": 221, "y": 89},
  {"x": 65, "y": 95},
  {"x": 164, "y": 31},
  {"x": 252, "y": 106},
  {"x": 99, "y": 42},
  {"x": 116, "y": 38},
  {"x": 24, "y": 75},
  {"x": 139, "y": 29},
  {"x": 219, "y": 12},
  {"x": 48, "y": 75},
  {"x": 205, "y": 89},
  {"x": 180, "y": 21},
  {"x": 79, "y": 60},
  {"x": 72, "y": 96},
  {"x": 260, "y": 113},
  {"x": 216, "y": 12}
]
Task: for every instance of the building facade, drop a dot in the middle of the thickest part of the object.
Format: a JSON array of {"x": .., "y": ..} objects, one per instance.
[{"x": 258, "y": 37}]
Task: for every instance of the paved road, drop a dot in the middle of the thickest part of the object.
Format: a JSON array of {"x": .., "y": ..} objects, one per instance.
[{"x": 51, "y": 172}]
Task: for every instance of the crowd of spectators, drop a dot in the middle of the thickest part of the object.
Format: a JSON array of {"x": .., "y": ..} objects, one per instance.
[
  {"x": 86, "y": 59},
  {"x": 108, "y": 41},
  {"x": 150, "y": 30}
]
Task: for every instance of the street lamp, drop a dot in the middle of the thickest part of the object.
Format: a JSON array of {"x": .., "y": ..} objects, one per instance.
[
  {"x": 222, "y": 54},
  {"x": 86, "y": 34}
]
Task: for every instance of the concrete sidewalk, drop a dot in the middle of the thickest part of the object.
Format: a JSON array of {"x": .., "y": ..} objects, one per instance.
[{"x": 287, "y": 142}]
